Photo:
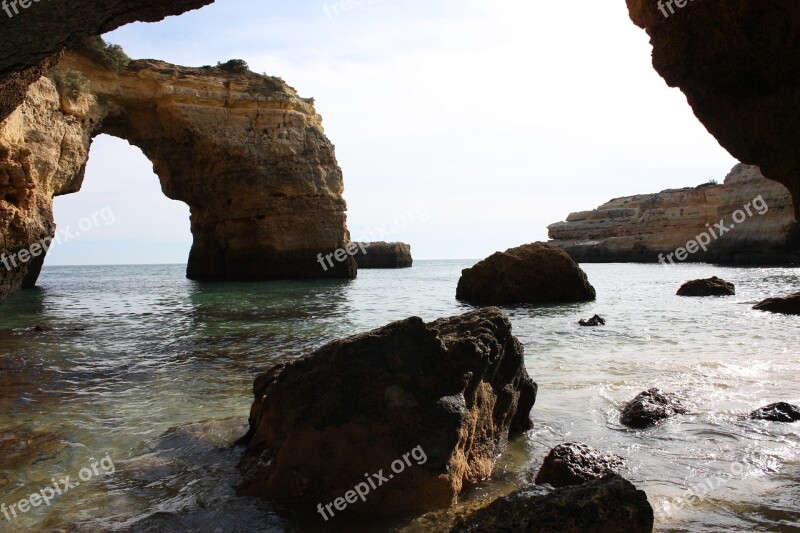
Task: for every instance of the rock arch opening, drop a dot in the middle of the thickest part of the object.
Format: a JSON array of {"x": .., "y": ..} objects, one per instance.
[
  {"x": 244, "y": 151},
  {"x": 120, "y": 215}
]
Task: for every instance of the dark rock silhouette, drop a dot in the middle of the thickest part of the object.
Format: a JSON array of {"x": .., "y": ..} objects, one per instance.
[
  {"x": 649, "y": 408},
  {"x": 384, "y": 255},
  {"x": 707, "y": 287},
  {"x": 530, "y": 274},
  {"x": 593, "y": 322},
  {"x": 456, "y": 388},
  {"x": 777, "y": 412},
  {"x": 790, "y": 305},
  {"x": 574, "y": 464},
  {"x": 609, "y": 505}
]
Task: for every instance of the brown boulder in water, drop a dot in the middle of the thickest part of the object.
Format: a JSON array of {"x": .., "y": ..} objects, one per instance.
[
  {"x": 530, "y": 274},
  {"x": 777, "y": 412},
  {"x": 453, "y": 390},
  {"x": 384, "y": 255},
  {"x": 707, "y": 287},
  {"x": 789, "y": 305},
  {"x": 609, "y": 505},
  {"x": 593, "y": 322},
  {"x": 574, "y": 464},
  {"x": 649, "y": 408}
]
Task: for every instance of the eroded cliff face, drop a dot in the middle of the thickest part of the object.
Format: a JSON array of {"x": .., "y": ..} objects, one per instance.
[
  {"x": 639, "y": 228},
  {"x": 738, "y": 63},
  {"x": 33, "y": 37},
  {"x": 244, "y": 151}
]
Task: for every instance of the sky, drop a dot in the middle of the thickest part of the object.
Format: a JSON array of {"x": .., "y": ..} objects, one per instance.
[{"x": 494, "y": 118}]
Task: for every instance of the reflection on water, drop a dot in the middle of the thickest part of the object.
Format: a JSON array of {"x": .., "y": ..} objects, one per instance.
[{"x": 157, "y": 371}]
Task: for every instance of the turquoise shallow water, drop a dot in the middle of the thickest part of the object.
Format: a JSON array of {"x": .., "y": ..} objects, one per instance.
[{"x": 138, "y": 357}]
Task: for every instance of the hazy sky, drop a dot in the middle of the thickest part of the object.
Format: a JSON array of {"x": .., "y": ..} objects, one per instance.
[{"x": 499, "y": 116}]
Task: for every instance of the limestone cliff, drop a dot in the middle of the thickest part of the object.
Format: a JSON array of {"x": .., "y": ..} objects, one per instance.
[
  {"x": 639, "y": 228},
  {"x": 34, "y": 36},
  {"x": 244, "y": 151},
  {"x": 738, "y": 63}
]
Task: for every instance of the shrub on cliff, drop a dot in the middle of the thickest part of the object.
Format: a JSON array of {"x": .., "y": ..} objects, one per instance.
[
  {"x": 71, "y": 82},
  {"x": 111, "y": 56},
  {"x": 237, "y": 66}
]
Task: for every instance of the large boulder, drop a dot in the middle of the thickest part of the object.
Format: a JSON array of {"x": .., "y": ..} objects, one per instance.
[
  {"x": 450, "y": 390},
  {"x": 789, "y": 305},
  {"x": 649, "y": 408},
  {"x": 530, "y": 274},
  {"x": 777, "y": 412},
  {"x": 574, "y": 464},
  {"x": 609, "y": 505},
  {"x": 384, "y": 255},
  {"x": 707, "y": 287}
]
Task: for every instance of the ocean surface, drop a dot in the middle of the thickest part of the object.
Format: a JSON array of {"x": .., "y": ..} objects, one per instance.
[{"x": 148, "y": 377}]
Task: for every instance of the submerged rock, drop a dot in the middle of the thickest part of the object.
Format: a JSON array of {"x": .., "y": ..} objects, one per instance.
[
  {"x": 609, "y": 505},
  {"x": 384, "y": 255},
  {"x": 440, "y": 398},
  {"x": 593, "y": 322},
  {"x": 777, "y": 412},
  {"x": 789, "y": 305},
  {"x": 707, "y": 287},
  {"x": 574, "y": 464},
  {"x": 530, "y": 274},
  {"x": 651, "y": 407}
]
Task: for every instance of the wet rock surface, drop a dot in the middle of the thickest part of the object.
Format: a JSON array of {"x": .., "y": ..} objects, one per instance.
[
  {"x": 790, "y": 305},
  {"x": 576, "y": 463},
  {"x": 777, "y": 412},
  {"x": 649, "y": 408},
  {"x": 593, "y": 322},
  {"x": 454, "y": 389},
  {"x": 707, "y": 287},
  {"x": 610, "y": 505},
  {"x": 529, "y": 274}
]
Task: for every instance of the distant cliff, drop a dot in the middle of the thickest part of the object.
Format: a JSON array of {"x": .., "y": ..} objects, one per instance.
[
  {"x": 244, "y": 151},
  {"x": 639, "y": 228}
]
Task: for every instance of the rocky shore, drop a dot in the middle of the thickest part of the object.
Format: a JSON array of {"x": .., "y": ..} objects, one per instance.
[{"x": 640, "y": 228}]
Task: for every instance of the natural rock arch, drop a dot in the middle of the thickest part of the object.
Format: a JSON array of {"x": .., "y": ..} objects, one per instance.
[{"x": 244, "y": 151}]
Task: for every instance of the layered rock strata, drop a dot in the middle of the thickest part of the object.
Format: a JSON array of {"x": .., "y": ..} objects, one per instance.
[
  {"x": 451, "y": 391},
  {"x": 244, "y": 151},
  {"x": 643, "y": 227},
  {"x": 738, "y": 63},
  {"x": 385, "y": 255},
  {"x": 34, "y": 36}
]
